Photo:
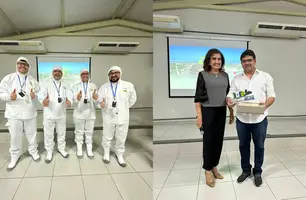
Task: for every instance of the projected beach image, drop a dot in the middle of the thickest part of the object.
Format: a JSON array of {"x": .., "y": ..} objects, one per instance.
[
  {"x": 187, "y": 61},
  {"x": 71, "y": 71}
]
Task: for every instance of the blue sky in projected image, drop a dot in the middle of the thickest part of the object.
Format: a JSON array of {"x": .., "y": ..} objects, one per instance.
[
  {"x": 194, "y": 53},
  {"x": 71, "y": 67}
]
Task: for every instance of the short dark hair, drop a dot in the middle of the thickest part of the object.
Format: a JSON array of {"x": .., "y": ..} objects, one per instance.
[
  {"x": 248, "y": 52},
  {"x": 209, "y": 54}
]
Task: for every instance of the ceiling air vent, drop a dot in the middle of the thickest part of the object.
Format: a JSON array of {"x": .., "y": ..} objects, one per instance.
[
  {"x": 115, "y": 47},
  {"x": 278, "y": 30},
  {"x": 267, "y": 26}
]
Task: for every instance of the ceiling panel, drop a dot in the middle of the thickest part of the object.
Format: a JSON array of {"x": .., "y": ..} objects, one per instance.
[
  {"x": 31, "y": 15},
  {"x": 274, "y": 5},
  {"x": 115, "y": 30},
  {"x": 142, "y": 11},
  {"x": 6, "y": 28},
  {"x": 83, "y": 11}
]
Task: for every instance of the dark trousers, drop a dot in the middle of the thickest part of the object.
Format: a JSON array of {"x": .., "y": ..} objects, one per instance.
[
  {"x": 214, "y": 119},
  {"x": 258, "y": 132}
]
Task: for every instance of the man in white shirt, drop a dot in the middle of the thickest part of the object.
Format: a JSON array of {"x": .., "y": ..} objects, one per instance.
[
  {"x": 115, "y": 98},
  {"x": 55, "y": 95},
  {"x": 19, "y": 90},
  {"x": 84, "y": 115},
  {"x": 260, "y": 86}
]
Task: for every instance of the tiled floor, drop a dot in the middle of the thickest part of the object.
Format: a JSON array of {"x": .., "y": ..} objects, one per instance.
[
  {"x": 186, "y": 129},
  {"x": 178, "y": 174},
  {"x": 79, "y": 179}
]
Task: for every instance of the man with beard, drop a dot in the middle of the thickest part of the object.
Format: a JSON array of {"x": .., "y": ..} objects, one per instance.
[
  {"x": 19, "y": 91},
  {"x": 84, "y": 115},
  {"x": 260, "y": 89},
  {"x": 56, "y": 96},
  {"x": 115, "y": 98}
]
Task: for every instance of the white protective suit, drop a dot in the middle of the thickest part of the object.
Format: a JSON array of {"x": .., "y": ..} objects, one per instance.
[
  {"x": 116, "y": 120},
  {"x": 20, "y": 113},
  {"x": 84, "y": 115},
  {"x": 54, "y": 115}
]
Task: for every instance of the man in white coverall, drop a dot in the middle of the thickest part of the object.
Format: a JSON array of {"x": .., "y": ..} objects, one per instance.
[
  {"x": 84, "y": 115},
  {"x": 55, "y": 95},
  {"x": 115, "y": 98},
  {"x": 19, "y": 91}
]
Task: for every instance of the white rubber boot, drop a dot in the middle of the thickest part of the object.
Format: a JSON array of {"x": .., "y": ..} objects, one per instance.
[
  {"x": 89, "y": 151},
  {"x": 79, "y": 151}
]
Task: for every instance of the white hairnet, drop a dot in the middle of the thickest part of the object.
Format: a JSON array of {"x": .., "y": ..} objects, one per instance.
[
  {"x": 85, "y": 70},
  {"x": 57, "y": 68},
  {"x": 115, "y": 68},
  {"x": 23, "y": 59}
]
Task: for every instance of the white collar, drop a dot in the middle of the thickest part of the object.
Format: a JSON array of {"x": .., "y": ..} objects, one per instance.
[{"x": 257, "y": 71}]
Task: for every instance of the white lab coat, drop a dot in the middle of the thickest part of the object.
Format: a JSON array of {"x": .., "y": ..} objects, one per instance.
[
  {"x": 84, "y": 115},
  {"x": 22, "y": 107},
  {"x": 126, "y": 97},
  {"x": 21, "y": 113},
  {"x": 55, "y": 114},
  {"x": 116, "y": 120},
  {"x": 82, "y": 110},
  {"x": 55, "y": 110}
]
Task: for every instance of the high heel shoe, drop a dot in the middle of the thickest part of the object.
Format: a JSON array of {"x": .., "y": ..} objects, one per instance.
[
  {"x": 209, "y": 179},
  {"x": 217, "y": 175}
]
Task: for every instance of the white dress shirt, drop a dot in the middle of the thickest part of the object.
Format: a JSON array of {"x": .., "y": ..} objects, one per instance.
[{"x": 261, "y": 85}]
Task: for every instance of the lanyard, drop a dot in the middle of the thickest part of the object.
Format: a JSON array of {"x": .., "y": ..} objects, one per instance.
[
  {"x": 114, "y": 92},
  {"x": 57, "y": 89},
  {"x": 85, "y": 86},
  {"x": 25, "y": 79}
]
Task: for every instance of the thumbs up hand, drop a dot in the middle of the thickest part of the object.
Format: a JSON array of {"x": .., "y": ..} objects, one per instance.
[
  {"x": 32, "y": 94},
  {"x": 46, "y": 101},
  {"x": 13, "y": 95},
  {"x": 68, "y": 103},
  {"x": 79, "y": 96},
  {"x": 95, "y": 95},
  {"x": 102, "y": 103}
]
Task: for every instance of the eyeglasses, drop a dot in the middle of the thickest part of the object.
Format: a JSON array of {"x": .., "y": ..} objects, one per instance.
[
  {"x": 23, "y": 63},
  {"x": 84, "y": 74},
  {"x": 247, "y": 60}
]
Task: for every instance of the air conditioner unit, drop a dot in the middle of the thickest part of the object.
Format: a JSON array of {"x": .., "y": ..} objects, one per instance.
[
  {"x": 115, "y": 47},
  {"x": 25, "y": 47},
  {"x": 167, "y": 23},
  {"x": 278, "y": 30}
]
